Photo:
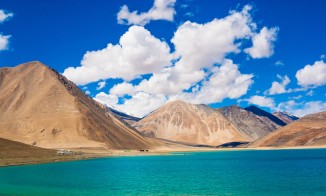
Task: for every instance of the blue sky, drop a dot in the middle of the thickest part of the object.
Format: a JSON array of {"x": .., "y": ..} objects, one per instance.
[{"x": 267, "y": 53}]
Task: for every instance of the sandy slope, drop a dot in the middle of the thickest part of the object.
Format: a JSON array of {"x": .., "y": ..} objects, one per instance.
[
  {"x": 307, "y": 131},
  {"x": 39, "y": 106},
  {"x": 184, "y": 122}
]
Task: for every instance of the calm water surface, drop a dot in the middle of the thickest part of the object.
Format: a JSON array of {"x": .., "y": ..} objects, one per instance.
[{"x": 274, "y": 172}]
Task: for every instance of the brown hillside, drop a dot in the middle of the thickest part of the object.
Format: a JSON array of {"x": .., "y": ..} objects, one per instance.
[
  {"x": 39, "y": 106},
  {"x": 307, "y": 131},
  {"x": 184, "y": 122}
]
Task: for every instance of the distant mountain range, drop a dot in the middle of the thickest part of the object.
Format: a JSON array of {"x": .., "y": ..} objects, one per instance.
[
  {"x": 40, "y": 107},
  {"x": 285, "y": 117},
  {"x": 197, "y": 124},
  {"x": 252, "y": 121}
]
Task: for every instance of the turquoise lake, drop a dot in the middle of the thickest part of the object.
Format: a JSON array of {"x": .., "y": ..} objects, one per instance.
[{"x": 270, "y": 172}]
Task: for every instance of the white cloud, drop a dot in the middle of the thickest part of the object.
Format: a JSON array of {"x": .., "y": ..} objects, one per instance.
[
  {"x": 139, "y": 105},
  {"x": 310, "y": 93},
  {"x": 279, "y": 63},
  {"x": 5, "y": 16},
  {"x": 101, "y": 85},
  {"x": 137, "y": 53},
  {"x": 279, "y": 87},
  {"x": 4, "y": 42},
  {"x": 263, "y": 43},
  {"x": 123, "y": 89},
  {"x": 312, "y": 75},
  {"x": 297, "y": 97},
  {"x": 226, "y": 81},
  {"x": 4, "y": 39},
  {"x": 87, "y": 92},
  {"x": 202, "y": 45},
  {"x": 197, "y": 71},
  {"x": 261, "y": 101},
  {"x": 302, "y": 108},
  {"x": 161, "y": 10}
]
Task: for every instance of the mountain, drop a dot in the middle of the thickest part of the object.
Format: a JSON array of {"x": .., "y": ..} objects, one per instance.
[
  {"x": 39, "y": 106},
  {"x": 307, "y": 131},
  {"x": 285, "y": 117},
  {"x": 265, "y": 115},
  {"x": 184, "y": 122},
  {"x": 122, "y": 116},
  {"x": 255, "y": 125}
]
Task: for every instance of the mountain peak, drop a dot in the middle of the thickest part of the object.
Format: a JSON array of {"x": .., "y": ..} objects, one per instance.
[
  {"x": 190, "y": 123},
  {"x": 42, "y": 107},
  {"x": 260, "y": 112}
]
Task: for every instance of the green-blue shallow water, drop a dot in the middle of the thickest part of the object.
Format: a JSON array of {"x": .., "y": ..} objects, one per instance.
[{"x": 272, "y": 172}]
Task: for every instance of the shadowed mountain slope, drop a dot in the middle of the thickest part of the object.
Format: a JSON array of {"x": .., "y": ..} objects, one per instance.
[
  {"x": 253, "y": 125},
  {"x": 264, "y": 114},
  {"x": 285, "y": 117}
]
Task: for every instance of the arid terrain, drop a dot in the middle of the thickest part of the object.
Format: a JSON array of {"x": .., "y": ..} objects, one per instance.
[
  {"x": 307, "y": 131},
  {"x": 184, "y": 122},
  {"x": 41, "y": 107},
  {"x": 45, "y": 118}
]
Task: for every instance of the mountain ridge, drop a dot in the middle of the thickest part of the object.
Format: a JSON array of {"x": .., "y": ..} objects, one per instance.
[{"x": 40, "y": 106}]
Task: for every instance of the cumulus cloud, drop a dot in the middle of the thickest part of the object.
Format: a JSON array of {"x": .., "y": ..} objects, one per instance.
[
  {"x": 197, "y": 71},
  {"x": 5, "y": 16},
  {"x": 261, "y": 101},
  {"x": 312, "y": 75},
  {"x": 139, "y": 105},
  {"x": 161, "y": 10},
  {"x": 137, "y": 53},
  {"x": 263, "y": 43},
  {"x": 4, "y": 39},
  {"x": 226, "y": 81},
  {"x": 123, "y": 89},
  {"x": 279, "y": 87},
  {"x": 302, "y": 108},
  {"x": 4, "y": 42}
]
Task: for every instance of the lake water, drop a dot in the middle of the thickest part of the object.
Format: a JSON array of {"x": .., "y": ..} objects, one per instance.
[{"x": 272, "y": 172}]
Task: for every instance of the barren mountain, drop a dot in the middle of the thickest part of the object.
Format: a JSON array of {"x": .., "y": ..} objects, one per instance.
[
  {"x": 39, "y": 106},
  {"x": 251, "y": 124},
  {"x": 265, "y": 115},
  {"x": 184, "y": 122},
  {"x": 307, "y": 131},
  {"x": 285, "y": 117}
]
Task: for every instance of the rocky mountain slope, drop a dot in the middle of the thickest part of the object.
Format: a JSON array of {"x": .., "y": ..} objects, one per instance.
[
  {"x": 285, "y": 117},
  {"x": 265, "y": 115},
  {"x": 41, "y": 107},
  {"x": 307, "y": 131},
  {"x": 184, "y": 122},
  {"x": 255, "y": 125}
]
